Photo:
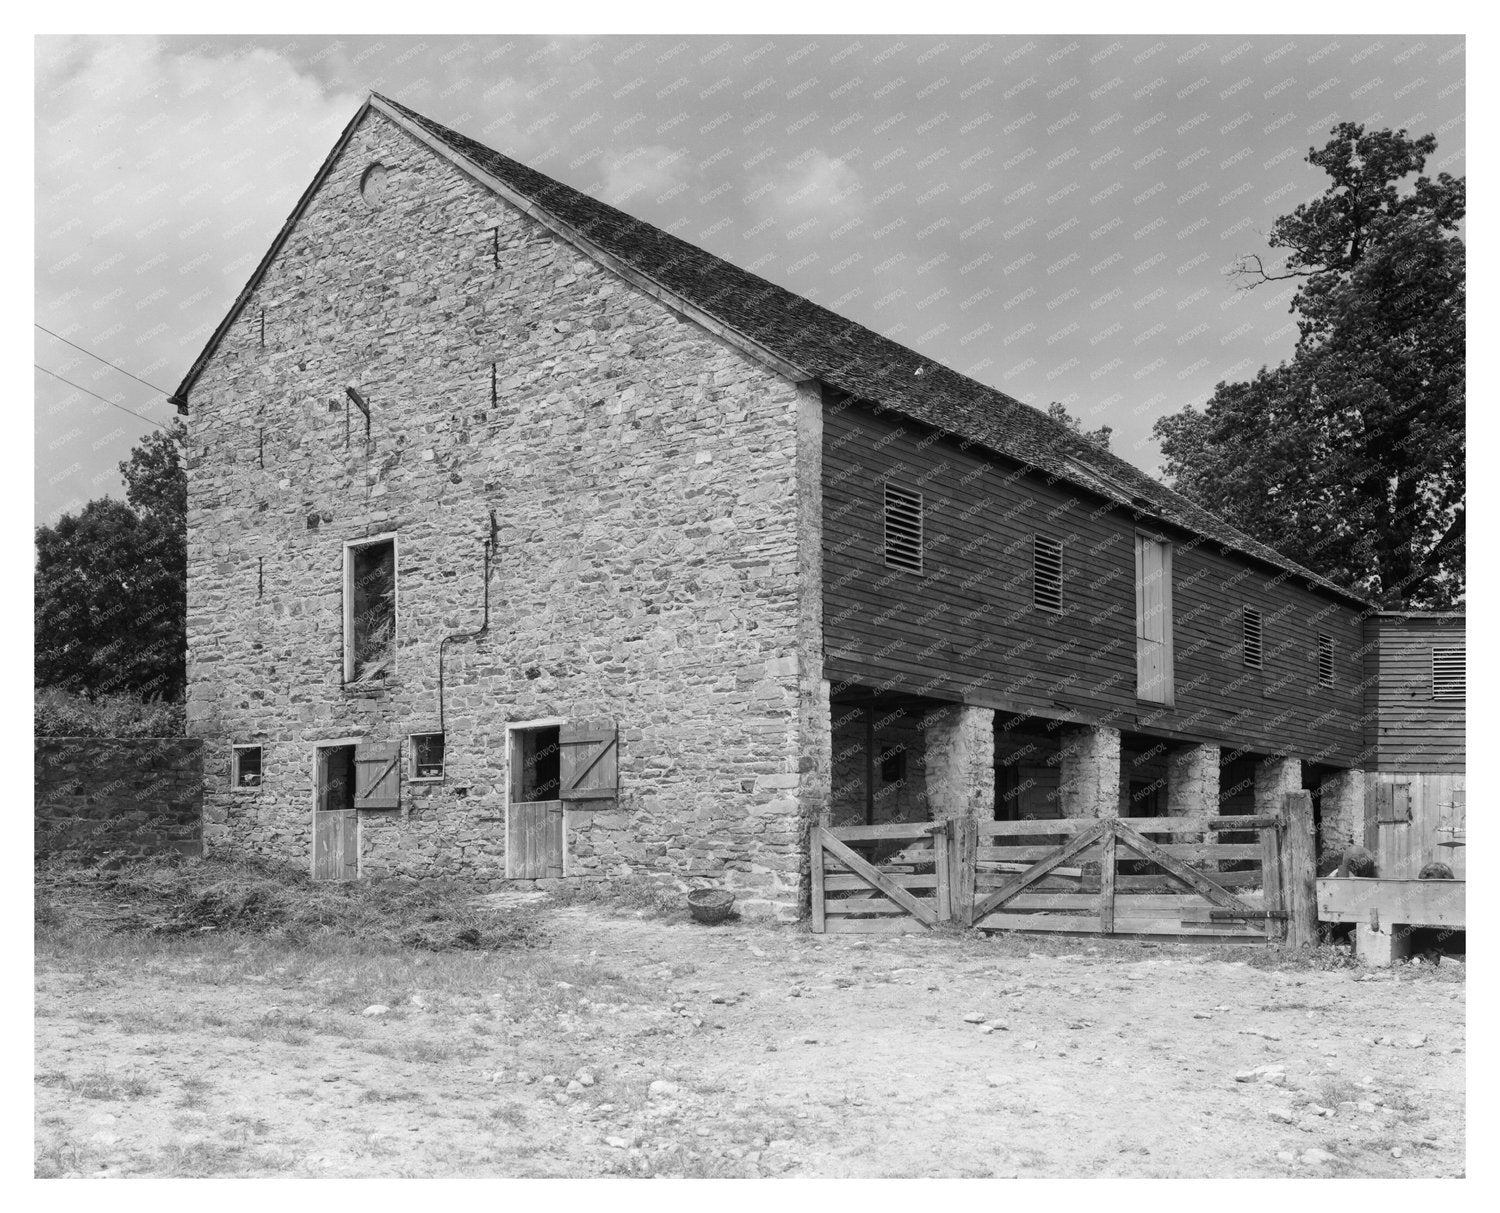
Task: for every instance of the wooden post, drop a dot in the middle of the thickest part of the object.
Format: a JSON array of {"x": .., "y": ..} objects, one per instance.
[
  {"x": 870, "y": 762},
  {"x": 815, "y": 836},
  {"x": 1299, "y": 875},
  {"x": 1107, "y": 882},
  {"x": 962, "y": 835},
  {"x": 968, "y": 840},
  {"x": 955, "y": 871},
  {"x": 942, "y": 839},
  {"x": 1371, "y": 838},
  {"x": 1272, "y": 839}
]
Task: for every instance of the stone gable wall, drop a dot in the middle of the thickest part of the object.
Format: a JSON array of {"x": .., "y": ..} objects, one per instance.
[
  {"x": 647, "y": 491},
  {"x": 117, "y": 795}
]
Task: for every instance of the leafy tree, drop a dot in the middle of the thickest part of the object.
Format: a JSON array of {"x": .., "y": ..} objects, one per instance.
[
  {"x": 155, "y": 483},
  {"x": 1099, "y": 437},
  {"x": 1350, "y": 456},
  {"x": 110, "y": 594}
]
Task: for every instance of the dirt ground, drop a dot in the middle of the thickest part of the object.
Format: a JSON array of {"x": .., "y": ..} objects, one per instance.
[{"x": 649, "y": 1045}]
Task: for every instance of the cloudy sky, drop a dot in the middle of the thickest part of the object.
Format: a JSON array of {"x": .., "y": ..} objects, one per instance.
[{"x": 1053, "y": 216}]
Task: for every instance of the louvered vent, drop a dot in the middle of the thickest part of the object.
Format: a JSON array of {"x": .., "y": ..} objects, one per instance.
[
  {"x": 1325, "y": 659},
  {"x": 1448, "y": 673},
  {"x": 903, "y": 529},
  {"x": 1252, "y": 638},
  {"x": 1046, "y": 573}
]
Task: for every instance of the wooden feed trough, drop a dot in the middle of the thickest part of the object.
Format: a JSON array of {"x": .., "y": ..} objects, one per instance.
[{"x": 1384, "y": 912}]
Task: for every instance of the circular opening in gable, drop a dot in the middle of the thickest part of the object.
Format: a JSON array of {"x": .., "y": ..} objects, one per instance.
[{"x": 372, "y": 185}]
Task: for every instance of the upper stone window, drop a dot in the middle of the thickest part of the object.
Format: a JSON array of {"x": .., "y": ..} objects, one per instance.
[
  {"x": 372, "y": 186},
  {"x": 370, "y": 610}
]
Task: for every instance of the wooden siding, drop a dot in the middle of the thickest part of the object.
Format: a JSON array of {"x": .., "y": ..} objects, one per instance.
[
  {"x": 1412, "y": 820},
  {"x": 1406, "y": 729},
  {"x": 966, "y": 628}
]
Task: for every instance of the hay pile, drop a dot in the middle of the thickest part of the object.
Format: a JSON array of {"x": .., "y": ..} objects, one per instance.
[{"x": 172, "y": 896}]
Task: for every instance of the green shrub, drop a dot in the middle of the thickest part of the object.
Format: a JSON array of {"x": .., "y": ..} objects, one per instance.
[{"x": 61, "y": 713}]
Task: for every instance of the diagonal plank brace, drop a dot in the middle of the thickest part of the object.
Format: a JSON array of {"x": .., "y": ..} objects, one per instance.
[
  {"x": 873, "y": 876},
  {"x": 1195, "y": 880},
  {"x": 1078, "y": 843}
]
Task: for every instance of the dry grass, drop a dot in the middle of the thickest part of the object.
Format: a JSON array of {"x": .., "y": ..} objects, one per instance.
[
  {"x": 99, "y": 1084},
  {"x": 237, "y": 1051},
  {"x": 638, "y": 895},
  {"x": 173, "y": 896}
]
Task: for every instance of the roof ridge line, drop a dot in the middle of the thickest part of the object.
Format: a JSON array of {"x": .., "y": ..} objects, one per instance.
[{"x": 795, "y": 336}]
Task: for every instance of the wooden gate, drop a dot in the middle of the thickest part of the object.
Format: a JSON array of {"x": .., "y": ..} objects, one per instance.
[
  {"x": 1224, "y": 878},
  {"x": 900, "y": 883},
  {"x": 1107, "y": 877}
]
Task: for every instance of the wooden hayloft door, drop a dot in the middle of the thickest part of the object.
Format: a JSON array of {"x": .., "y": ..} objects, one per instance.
[
  {"x": 549, "y": 766},
  {"x": 1153, "y": 620},
  {"x": 335, "y": 831}
]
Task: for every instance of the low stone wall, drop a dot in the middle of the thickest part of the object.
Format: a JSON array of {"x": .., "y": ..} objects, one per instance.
[{"x": 121, "y": 795}]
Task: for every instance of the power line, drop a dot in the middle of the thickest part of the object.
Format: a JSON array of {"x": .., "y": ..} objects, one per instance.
[
  {"x": 95, "y": 395},
  {"x": 96, "y": 358}
]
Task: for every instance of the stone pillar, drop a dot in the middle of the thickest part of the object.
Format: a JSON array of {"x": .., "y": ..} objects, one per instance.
[
  {"x": 1193, "y": 783},
  {"x": 1090, "y": 772},
  {"x": 960, "y": 762},
  {"x": 1342, "y": 798},
  {"x": 1274, "y": 778}
]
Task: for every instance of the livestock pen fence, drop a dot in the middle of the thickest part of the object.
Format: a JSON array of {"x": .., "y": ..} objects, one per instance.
[{"x": 1228, "y": 878}]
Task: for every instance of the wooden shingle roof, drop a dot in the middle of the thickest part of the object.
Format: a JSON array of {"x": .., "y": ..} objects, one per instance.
[{"x": 811, "y": 342}]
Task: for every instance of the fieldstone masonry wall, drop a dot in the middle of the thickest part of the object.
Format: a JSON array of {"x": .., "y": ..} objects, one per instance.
[
  {"x": 961, "y": 762},
  {"x": 130, "y": 796},
  {"x": 905, "y": 799},
  {"x": 1274, "y": 779},
  {"x": 1090, "y": 772},
  {"x": 654, "y": 508},
  {"x": 1193, "y": 781},
  {"x": 1342, "y": 812}
]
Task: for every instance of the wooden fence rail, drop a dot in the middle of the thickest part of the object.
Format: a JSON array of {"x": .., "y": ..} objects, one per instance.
[{"x": 1110, "y": 875}]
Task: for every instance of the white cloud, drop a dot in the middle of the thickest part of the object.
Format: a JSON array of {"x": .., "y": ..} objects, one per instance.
[
  {"x": 822, "y": 185},
  {"x": 163, "y": 171},
  {"x": 819, "y": 184},
  {"x": 643, "y": 176}
]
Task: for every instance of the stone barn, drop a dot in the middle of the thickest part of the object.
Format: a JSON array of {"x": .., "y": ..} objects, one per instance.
[{"x": 530, "y": 542}]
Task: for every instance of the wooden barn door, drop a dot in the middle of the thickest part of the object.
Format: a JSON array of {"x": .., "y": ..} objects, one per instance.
[
  {"x": 1413, "y": 820},
  {"x": 335, "y": 830},
  {"x": 534, "y": 812}
]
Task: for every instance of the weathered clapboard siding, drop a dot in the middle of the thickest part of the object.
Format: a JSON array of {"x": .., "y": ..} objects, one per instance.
[
  {"x": 1424, "y": 822},
  {"x": 1406, "y": 729},
  {"x": 965, "y": 627}
]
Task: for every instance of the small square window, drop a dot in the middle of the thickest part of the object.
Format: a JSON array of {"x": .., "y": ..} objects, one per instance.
[
  {"x": 427, "y": 755},
  {"x": 893, "y": 765},
  {"x": 245, "y": 772}
]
